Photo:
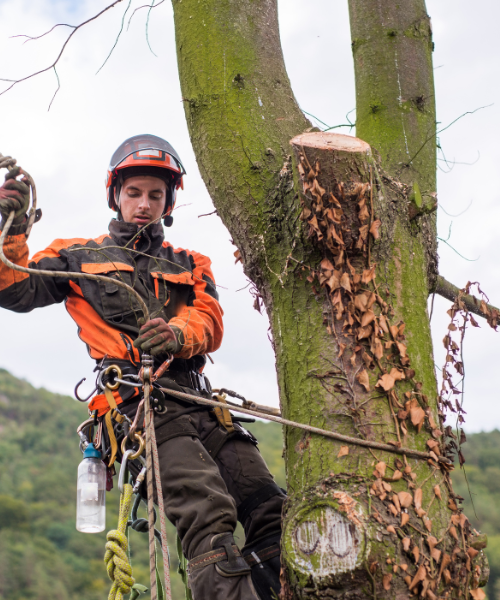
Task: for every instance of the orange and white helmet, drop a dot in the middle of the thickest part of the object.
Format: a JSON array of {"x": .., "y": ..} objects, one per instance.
[{"x": 145, "y": 155}]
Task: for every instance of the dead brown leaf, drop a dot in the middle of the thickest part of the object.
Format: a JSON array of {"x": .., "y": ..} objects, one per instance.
[
  {"x": 397, "y": 374},
  {"x": 374, "y": 229},
  {"x": 420, "y": 575},
  {"x": 386, "y": 581},
  {"x": 377, "y": 348},
  {"x": 405, "y": 517},
  {"x": 345, "y": 282},
  {"x": 417, "y": 498},
  {"x": 364, "y": 332},
  {"x": 405, "y": 499},
  {"x": 386, "y": 382},
  {"x": 368, "y": 275},
  {"x": 437, "y": 491},
  {"x": 344, "y": 451},
  {"x": 361, "y": 301},
  {"x": 478, "y": 594},
  {"x": 381, "y": 467},
  {"x": 367, "y": 318},
  {"x": 406, "y": 543},
  {"x": 333, "y": 283},
  {"x": 401, "y": 348},
  {"x": 362, "y": 378},
  {"x": 326, "y": 265},
  {"x": 383, "y": 323},
  {"x": 417, "y": 416}
]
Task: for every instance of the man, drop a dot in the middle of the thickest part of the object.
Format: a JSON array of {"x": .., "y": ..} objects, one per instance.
[{"x": 212, "y": 473}]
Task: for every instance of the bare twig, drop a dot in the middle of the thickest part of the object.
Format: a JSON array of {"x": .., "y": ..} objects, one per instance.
[
  {"x": 117, "y": 37},
  {"x": 53, "y": 65},
  {"x": 214, "y": 212},
  {"x": 431, "y": 137},
  {"x": 150, "y": 6}
]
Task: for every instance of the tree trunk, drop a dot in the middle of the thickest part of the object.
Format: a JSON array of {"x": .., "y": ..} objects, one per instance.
[
  {"x": 395, "y": 100},
  {"x": 342, "y": 254}
]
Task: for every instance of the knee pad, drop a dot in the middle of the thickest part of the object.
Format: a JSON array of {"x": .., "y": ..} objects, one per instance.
[{"x": 256, "y": 499}]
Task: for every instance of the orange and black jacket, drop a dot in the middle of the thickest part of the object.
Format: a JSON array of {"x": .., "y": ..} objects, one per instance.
[{"x": 176, "y": 285}]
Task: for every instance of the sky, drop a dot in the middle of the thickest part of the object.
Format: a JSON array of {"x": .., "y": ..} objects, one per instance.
[{"x": 67, "y": 149}]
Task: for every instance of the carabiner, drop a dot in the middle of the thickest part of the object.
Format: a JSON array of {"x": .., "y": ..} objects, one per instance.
[{"x": 123, "y": 469}]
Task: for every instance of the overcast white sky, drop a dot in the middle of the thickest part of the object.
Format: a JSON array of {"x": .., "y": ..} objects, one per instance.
[{"x": 67, "y": 151}]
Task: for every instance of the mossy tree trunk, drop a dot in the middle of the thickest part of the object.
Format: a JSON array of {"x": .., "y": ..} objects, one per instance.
[{"x": 339, "y": 240}]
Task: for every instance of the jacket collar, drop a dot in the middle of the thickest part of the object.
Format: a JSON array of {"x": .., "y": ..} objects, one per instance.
[{"x": 149, "y": 240}]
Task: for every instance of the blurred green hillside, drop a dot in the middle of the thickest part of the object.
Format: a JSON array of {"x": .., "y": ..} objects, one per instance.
[{"x": 43, "y": 557}]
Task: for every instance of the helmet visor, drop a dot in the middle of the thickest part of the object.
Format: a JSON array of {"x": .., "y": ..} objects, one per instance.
[{"x": 144, "y": 145}]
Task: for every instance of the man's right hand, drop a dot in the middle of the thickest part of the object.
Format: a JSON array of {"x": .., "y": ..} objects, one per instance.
[{"x": 14, "y": 195}]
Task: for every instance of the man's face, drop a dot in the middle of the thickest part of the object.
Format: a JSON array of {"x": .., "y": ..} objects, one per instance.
[{"x": 142, "y": 199}]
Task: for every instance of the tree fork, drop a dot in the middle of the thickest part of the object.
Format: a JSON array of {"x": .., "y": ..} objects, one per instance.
[{"x": 241, "y": 114}]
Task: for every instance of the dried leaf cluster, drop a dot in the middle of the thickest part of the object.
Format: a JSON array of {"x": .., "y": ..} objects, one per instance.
[
  {"x": 451, "y": 393},
  {"x": 371, "y": 346}
]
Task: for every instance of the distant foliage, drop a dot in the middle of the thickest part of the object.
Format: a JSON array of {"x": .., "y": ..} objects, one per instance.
[
  {"x": 482, "y": 453},
  {"x": 42, "y": 556}
]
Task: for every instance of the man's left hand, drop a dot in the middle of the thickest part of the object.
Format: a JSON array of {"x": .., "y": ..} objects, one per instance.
[{"x": 157, "y": 337}]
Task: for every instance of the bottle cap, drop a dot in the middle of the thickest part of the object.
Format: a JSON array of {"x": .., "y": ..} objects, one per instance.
[{"x": 91, "y": 452}]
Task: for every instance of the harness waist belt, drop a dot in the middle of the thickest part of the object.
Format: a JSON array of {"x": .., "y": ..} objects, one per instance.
[{"x": 190, "y": 379}]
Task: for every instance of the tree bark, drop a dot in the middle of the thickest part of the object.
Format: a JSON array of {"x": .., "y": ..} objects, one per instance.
[
  {"x": 395, "y": 100},
  {"x": 343, "y": 255}
]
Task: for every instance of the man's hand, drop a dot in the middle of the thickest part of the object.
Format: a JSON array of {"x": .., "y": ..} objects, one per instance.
[
  {"x": 14, "y": 195},
  {"x": 157, "y": 337}
]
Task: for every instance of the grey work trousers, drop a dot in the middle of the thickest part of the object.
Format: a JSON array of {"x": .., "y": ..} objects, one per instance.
[{"x": 201, "y": 496}]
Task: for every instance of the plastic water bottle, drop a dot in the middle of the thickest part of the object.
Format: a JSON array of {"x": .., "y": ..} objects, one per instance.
[{"x": 91, "y": 492}]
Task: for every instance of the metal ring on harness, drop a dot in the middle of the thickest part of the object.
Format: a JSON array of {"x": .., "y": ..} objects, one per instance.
[
  {"x": 137, "y": 438},
  {"x": 116, "y": 385}
]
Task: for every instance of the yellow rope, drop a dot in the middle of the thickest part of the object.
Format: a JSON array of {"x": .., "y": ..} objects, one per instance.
[{"x": 116, "y": 558}]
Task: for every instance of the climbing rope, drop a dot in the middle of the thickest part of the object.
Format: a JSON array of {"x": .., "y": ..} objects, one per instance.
[
  {"x": 8, "y": 163},
  {"x": 161, "y": 507},
  {"x": 153, "y": 476},
  {"x": 116, "y": 558},
  {"x": 324, "y": 432}
]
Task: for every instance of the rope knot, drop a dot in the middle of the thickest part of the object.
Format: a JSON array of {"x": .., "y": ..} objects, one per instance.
[{"x": 116, "y": 558}]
